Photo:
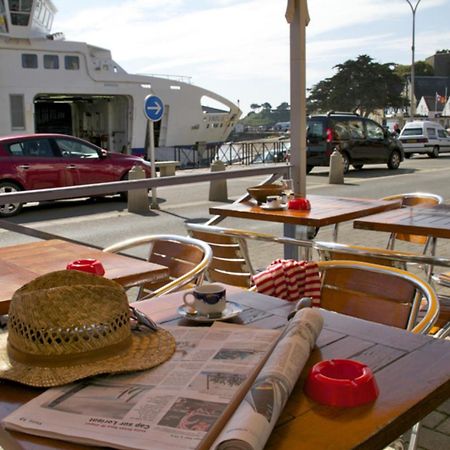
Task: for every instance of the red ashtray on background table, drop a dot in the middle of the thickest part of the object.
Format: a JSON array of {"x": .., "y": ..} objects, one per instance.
[
  {"x": 341, "y": 382},
  {"x": 87, "y": 265}
]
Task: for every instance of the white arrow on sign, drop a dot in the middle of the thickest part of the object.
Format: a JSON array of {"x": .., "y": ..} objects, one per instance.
[{"x": 156, "y": 108}]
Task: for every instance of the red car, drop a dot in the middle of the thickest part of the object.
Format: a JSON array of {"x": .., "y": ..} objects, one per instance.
[{"x": 42, "y": 161}]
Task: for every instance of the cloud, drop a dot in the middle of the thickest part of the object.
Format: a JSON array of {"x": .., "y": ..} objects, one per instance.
[{"x": 242, "y": 46}]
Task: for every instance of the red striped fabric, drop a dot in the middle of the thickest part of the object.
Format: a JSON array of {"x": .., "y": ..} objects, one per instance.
[{"x": 290, "y": 280}]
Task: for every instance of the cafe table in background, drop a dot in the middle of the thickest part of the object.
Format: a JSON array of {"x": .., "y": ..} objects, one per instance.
[{"x": 24, "y": 262}]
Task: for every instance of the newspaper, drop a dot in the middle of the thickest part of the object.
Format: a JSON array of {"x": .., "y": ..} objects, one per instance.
[
  {"x": 251, "y": 424},
  {"x": 183, "y": 403}
]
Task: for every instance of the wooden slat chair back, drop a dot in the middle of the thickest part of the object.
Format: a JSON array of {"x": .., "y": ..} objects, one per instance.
[
  {"x": 378, "y": 293},
  {"x": 413, "y": 199},
  {"x": 186, "y": 258},
  {"x": 230, "y": 263}
]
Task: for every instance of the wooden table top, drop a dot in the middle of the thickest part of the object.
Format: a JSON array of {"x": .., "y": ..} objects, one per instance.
[
  {"x": 24, "y": 262},
  {"x": 325, "y": 210},
  {"x": 412, "y": 372},
  {"x": 428, "y": 221}
]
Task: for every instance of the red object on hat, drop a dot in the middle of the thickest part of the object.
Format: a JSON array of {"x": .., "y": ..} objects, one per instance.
[{"x": 87, "y": 265}]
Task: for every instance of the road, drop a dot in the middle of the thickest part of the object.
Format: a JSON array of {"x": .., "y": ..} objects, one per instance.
[{"x": 105, "y": 221}]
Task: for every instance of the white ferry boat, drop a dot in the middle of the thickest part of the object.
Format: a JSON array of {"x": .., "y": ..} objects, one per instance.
[{"x": 48, "y": 84}]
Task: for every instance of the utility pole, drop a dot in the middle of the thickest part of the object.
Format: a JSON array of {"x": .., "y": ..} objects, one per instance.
[{"x": 412, "y": 109}]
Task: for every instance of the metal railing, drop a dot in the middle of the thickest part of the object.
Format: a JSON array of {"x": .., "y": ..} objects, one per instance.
[
  {"x": 89, "y": 190},
  {"x": 230, "y": 153}
]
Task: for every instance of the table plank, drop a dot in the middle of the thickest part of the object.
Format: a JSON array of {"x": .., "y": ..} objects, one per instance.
[
  {"x": 431, "y": 221},
  {"x": 325, "y": 210},
  {"x": 24, "y": 262}
]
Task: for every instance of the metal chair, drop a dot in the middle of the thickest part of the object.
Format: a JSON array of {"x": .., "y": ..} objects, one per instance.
[
  {"x": 186, "y": 258},
  {"x": 415, "y": 199},
  {"x": 401, "y": 260},
  {"x": 378, "y": 293},
  {"x": 231, "y": 261}
]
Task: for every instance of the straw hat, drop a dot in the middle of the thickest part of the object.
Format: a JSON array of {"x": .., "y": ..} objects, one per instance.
[{"x": 69, "y": 325}]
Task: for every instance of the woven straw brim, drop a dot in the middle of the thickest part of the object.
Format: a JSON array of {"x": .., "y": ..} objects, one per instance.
[{"x": 148, "y": 349}]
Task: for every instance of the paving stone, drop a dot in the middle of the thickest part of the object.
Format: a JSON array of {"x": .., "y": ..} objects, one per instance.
[
  {"x": 444, "y": 427},
  {"x": 433, "y": 440},
  {"x": 445, "y": 407},
  {"x": 434, "y": 419}
]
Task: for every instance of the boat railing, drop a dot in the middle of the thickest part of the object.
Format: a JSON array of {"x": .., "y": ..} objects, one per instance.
[{"x": 181, "y": 78}]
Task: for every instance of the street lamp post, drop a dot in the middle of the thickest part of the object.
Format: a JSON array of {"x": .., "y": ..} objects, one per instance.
[{"x": 412, "y": 108}]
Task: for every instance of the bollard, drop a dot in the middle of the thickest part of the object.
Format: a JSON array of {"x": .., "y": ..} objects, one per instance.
[
  {"x": 218, "y": 191},
  {"x": 336, "y": 175},
  {"x": 137, "y": 198}
]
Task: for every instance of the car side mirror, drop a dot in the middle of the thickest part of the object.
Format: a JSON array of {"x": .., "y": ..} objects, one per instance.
[{"x": 103, "y": 153}]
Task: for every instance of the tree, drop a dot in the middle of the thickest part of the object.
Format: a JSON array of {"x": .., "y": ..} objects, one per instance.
[
  {"x": 267, "y": 106},
  {"x": 255, "y": 106},
  {"x": 421, "y": 69},
  {"x": 360, "y": 84},
  {"x": 283, "y": 106}
]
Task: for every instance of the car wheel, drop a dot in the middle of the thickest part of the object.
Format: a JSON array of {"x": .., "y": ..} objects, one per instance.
[
  {"x": 346, "y": 161},
  {"x": 9, "y": 209},
  {"x": 394, "y": 160},
  {"x": 358, "y": 166},
  {"x": 309, "y": 168},
  {"x": 434, "y": 153}
]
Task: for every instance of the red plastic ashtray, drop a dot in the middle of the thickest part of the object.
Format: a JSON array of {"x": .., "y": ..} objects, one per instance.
[
  {"x": 87, "y": 265},
  {"x": 341, "y": 382}
]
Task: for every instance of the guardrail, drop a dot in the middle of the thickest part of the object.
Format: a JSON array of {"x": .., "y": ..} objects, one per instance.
[{"x": 90, "y": 190}]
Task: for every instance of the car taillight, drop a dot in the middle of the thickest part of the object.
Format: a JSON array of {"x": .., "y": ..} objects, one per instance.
[{"x": 329, "y": 133}]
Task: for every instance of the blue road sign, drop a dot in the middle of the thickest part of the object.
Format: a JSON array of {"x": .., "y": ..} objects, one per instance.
[{"x": 153, "y": 108}]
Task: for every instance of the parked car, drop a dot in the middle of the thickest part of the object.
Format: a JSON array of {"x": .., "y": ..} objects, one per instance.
[
  {"x": 360, "y": 141},
  {"x": 424, "y": 136},
  {"x": 42, "y": 161}
]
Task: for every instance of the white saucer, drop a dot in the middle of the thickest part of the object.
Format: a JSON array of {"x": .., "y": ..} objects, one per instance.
[
  {"x": 231, "y": 310},
  {"x": 271, "y": 208}
]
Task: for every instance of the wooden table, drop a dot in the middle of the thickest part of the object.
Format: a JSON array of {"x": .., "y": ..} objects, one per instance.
[
  {"x": 24, "y": 262},
  {"x": 325, "y": 210},
  {"x": 412, "y": 372},
  {"x": 428, "y": 221}
]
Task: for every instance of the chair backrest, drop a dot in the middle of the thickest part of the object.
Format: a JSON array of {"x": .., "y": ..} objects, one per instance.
[
  {"x": 378, "y": 293},
  {"x": 413, "y": 199},
  {"x": 333, "y": 251},
  {"x": 186, "y": 258},
  {"x": 230, "y": 261}
]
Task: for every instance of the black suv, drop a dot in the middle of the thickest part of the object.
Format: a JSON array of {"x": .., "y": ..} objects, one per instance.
[{"x": 360, "y": 141}]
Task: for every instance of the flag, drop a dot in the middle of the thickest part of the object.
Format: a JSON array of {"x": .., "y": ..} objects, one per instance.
[{"x": 440, "y": 98}]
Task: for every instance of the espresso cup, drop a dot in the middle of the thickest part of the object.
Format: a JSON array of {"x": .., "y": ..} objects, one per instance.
[
  {"x": 207, "y": 300},
  {"x": 273, "y": 201}
]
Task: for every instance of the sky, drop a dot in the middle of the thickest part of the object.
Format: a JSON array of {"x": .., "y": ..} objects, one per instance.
[{"x": 240, "y": 48}]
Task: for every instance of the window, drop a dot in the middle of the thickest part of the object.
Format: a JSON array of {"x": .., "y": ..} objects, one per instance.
[
  {"x": 38, "y": 148},
  {"x": 3, "y": 24},
  {"x": 412, "y": 132},
  {"x": 20, "y": 11},
  {"x": 51, "y": 62},
  {"x": 72, "y": 62},
  {"x": 29, "y": 61},
  {"x": 374, "y": 131},
  {"x": 431, "y": 132},
  {"x": 356, "y": 129},
  {"x": 341, "y": 130},
  {"x": 442, "y": 134},
  {"x": 315, "y": 130},
  {"x": 75, "y": 149},
  {"x": 17, "y": 111},
  {"x": 16, "y": 149}
]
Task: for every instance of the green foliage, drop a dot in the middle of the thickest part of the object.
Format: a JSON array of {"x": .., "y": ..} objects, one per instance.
[
  {"x": 360, "y": 84},
  {"x": 421, "y": 68},
  {"x": 267, "y": 117}
]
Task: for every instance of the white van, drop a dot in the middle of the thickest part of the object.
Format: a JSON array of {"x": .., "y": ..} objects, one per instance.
[{"x": 424, "y": 136}]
